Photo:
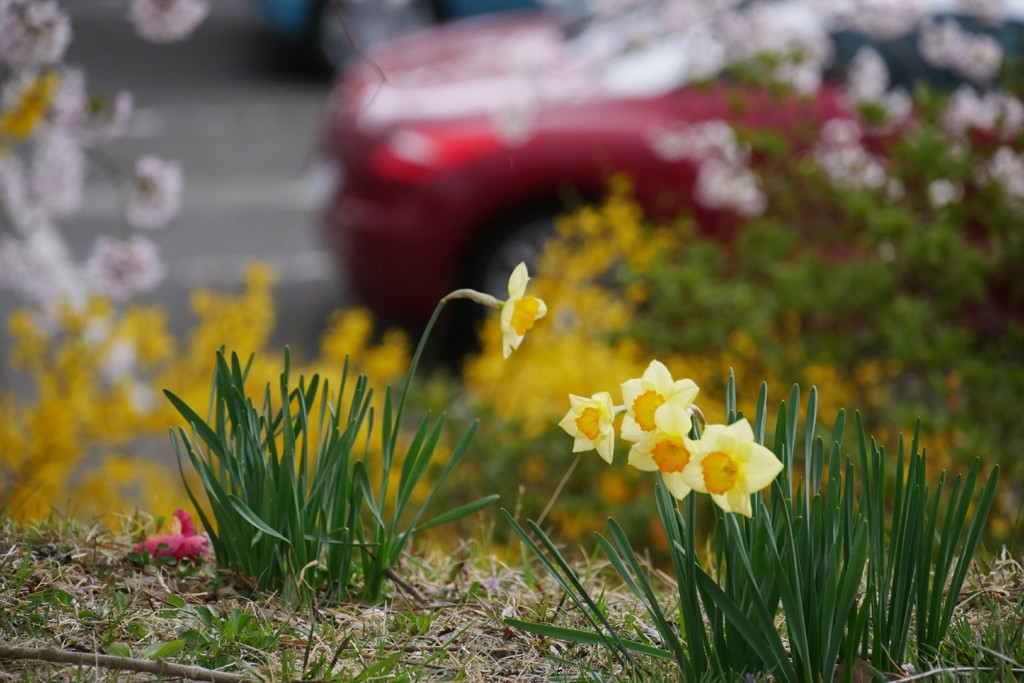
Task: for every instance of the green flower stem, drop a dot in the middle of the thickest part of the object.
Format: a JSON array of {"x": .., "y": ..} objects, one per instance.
[{"x": 415, "y": 364}]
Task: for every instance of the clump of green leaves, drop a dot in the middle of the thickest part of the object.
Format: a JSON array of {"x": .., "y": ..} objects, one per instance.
[
  {"x": 290, "y": 496},
  {"x": 803, "y": 556}
]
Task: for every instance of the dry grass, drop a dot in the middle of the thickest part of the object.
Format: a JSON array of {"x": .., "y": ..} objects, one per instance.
[
  {"x": 69, "y": 588},
  {"x": 74, "y": 588}
]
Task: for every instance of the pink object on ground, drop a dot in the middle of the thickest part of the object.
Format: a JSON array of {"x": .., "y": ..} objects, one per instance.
[{"x": 183, "y": 543}]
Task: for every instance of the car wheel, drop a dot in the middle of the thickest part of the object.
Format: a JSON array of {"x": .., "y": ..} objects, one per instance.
[
  {"x": 369, "y": 21},
  {"x": 523, "y": 242}
]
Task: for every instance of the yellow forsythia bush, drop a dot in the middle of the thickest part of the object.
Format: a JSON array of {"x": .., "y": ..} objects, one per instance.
[{"x": 87, "y": 429}]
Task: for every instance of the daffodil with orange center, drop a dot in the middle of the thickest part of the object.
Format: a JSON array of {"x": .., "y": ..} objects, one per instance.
[
  {"x": 643, "y": 396},
  {"x": 730, "y": 466},
  {"x": 519, "y": 312},
  {"x": 589, "y": 422},
  {"x": 667, "y": 448}
]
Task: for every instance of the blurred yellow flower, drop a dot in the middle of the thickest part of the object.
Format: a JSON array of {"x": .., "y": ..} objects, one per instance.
[
  {"x": 589, "y": 422},
  {"x": 614, "y": 488},
  {"x": 667, "y": 449},
  {"x": 31, "y": 106},
  {"x": 730, "y": 466},
  {"x": 645, "y": 394},
  {"x": 95, "y": 373},
  {"x": 520, "y": 312}
]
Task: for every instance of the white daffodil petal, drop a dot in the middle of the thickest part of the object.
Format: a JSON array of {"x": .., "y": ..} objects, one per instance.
[
  {"x": 761, "y": 467},
  {"x": 542, "y": 309},
  {"x": 709, "y": 438},
  {"x": 722, "y": 502},
  {"x": 630, "y": 390},
  {"x": 630, "y": 430},
  {"x": 684, "y": 392},
  {"x": 658, "y": 376},
  {"x": 740, "y": 502},
  {"x": 582, "y": 444},
  {"x": 640, "y": 457},
  {"x": 740, "y": 431},
  {"x": 517, "y": 281},
  {"x": 676, "y": 485},
  {"x": 578, "y": 402},
  {"x": 672, "y": 419},
  {"x": 692, "y": 474}
]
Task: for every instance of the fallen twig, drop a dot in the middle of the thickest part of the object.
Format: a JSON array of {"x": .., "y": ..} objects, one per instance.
[
  {"x": 939, "y": 672},
  {"x": 158, "y": 666},
  {"x": 405, "y": 586}
]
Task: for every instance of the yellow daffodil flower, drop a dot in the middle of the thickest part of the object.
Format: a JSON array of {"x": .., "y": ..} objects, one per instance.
[
  {"x": 589, "y": 422},
  {"x": 644, "y": 395},
  {"x": 731, "y": 466},
  {"x": 32, "y": 105},
  {"x": 668, "y": 449},
  {"x": 520, "y": 312}
]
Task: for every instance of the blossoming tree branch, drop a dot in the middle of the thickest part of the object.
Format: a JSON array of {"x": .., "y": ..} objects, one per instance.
[{"x": 49, "y": 125}]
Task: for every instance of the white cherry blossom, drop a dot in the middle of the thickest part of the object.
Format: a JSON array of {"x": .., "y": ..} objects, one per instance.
[
  {"x": 33, "y": 33},
  {"x": 157, "y": 194},
  {"x": 166, "y": 21}
]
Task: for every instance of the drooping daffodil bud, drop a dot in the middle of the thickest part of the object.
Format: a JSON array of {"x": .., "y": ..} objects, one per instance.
[{"x": 518, "y": 313}]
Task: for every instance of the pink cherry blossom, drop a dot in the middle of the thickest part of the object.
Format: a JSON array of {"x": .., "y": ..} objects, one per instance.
[{"x": 122, "y": 268}]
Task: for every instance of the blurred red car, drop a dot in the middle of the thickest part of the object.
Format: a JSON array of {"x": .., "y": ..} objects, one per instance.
[{"x": 458, "y": 146}]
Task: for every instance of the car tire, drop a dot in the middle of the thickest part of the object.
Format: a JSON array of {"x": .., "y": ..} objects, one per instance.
[
  {"x": 521, "y": 242},
  {"x": 489, "y": 264},
  {"x": 368, "y": 21}
]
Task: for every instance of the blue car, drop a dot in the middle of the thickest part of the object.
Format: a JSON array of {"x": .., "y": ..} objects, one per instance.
[{"x": 314, "y": 24}]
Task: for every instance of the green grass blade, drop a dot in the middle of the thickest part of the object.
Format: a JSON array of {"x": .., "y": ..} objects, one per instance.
[
  {"x": 730, "y": 398},
  {"x": 460, "y": 512},
  {"x": 573, "y": 635},
  {"x": 761, "y": 414},
  {"x": 213, "y": 442},
  {"x": 981, "y": 511},
  {"x": 251, "y": 517},
  {"x": 773, "y": 656},
  {"x": 560, "y": 570},
  {"x": 417, "y": 457},
  {"x": 813, "y": 481},
  {"x": 640, "y": 586}
]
